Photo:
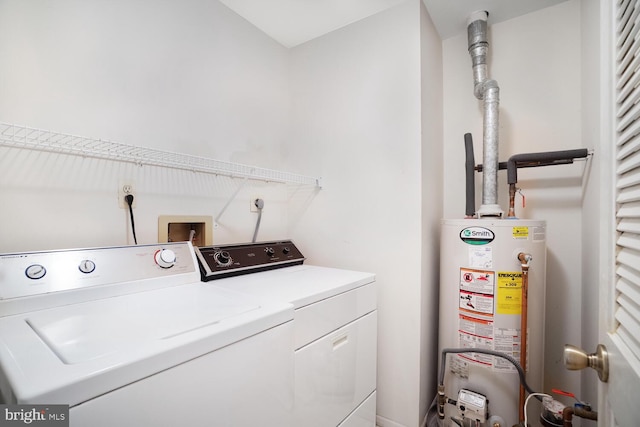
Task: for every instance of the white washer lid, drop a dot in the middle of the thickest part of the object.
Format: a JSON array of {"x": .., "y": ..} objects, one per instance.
[
  {"x": 85, "y": 332},
  {"x": 73, "y": 353}
]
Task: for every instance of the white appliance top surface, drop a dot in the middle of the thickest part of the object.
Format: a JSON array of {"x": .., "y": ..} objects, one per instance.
[
  {"x": 299, "y": 285},
  {"x": 73, "y": 353}
]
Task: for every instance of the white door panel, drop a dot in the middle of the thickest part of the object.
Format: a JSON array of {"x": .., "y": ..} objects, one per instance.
[
  {"x": 623, "y": 385},
  {"x": 619, "y": 403}
]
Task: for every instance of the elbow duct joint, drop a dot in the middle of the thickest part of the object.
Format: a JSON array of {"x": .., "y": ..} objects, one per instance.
[{"x": 487, "y": 90}]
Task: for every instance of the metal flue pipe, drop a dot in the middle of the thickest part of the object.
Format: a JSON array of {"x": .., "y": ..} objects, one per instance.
[{"x": 488, "y": 91}]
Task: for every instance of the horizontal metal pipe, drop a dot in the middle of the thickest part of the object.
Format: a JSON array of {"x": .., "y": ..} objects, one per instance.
[
  {"x": 503, "y": 165},
  {"x": 545, "y": 158}
]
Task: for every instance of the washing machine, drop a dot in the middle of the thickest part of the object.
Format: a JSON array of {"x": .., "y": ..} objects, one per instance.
[
  {"x": 335, "y": 326},
  {"x": 130, "y": 336}
]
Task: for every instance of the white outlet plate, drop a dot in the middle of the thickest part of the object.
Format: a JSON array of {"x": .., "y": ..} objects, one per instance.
[
  {"x": 124, "y": 188},
  {"x": 252, "y": 204}
]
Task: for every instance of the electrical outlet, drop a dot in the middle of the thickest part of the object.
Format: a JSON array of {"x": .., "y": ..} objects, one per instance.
[
  {"x": 124, "y": 189},
  {"x": 252, "y": 203}
]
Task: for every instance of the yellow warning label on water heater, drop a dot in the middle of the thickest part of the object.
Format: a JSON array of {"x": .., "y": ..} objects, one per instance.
[
  {"x": 509, "y": 286},
  {"x": 520, "y": 232}
]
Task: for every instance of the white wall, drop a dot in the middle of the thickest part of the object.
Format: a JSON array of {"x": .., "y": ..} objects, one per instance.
[
  {"x": 539, "y": 73},
  {"x": 195, "y": 78},
  {"x": 189, "y": 77},
  {"x": 591, "y": 131},
  {"x": 363, "y": 107},
  {"x": 358, "y": 122},
  {"x": 432, "y": 194}
]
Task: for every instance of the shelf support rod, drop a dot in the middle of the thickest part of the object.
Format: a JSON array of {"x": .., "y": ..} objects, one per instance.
[{"x": 232, "y": 198}]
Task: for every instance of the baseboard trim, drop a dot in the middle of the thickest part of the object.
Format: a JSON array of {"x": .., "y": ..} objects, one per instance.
[{"x": 384, "y": 422}]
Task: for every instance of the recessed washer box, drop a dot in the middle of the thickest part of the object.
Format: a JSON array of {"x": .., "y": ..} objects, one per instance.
[{"x": 178, "y": 228}]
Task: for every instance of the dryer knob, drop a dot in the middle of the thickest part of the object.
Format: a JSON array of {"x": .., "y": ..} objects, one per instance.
[
  {"x": 165, "y": 258},
  {"x": 270, "y": 251},
  {"x": 223, "y": 258}
]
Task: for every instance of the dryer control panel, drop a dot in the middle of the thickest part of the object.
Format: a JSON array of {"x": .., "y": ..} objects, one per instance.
[{"x": 233, "y": 260}]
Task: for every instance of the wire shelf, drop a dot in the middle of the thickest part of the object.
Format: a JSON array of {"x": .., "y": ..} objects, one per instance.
[{"x": 12, "y": 135}]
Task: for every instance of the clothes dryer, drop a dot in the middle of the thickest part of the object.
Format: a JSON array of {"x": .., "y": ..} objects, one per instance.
[{"x": 335, "y": 325}]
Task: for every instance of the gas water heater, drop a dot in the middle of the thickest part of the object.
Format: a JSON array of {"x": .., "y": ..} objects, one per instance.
[
  {"x": 492, "y": 281},
  {"x": 481, "y": 307}
]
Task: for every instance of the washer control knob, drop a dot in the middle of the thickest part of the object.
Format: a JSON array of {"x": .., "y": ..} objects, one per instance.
[
  {"x": 223, "y": 258},
  {"x": 286, "y": 250},
  {"x": 165, "y": 258},
  {"x": 35, "y": 271},
  {"x": 270, "y": 251},
  {"x": 87, "y": 266}
]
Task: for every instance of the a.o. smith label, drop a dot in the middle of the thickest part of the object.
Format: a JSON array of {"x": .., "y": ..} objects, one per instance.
[
  {"x": 34, "y": 415},
  {"x": 477, "y": 235}
]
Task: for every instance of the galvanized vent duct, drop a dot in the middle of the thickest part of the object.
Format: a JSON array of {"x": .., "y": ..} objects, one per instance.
[{"x": 487, "y": 90}]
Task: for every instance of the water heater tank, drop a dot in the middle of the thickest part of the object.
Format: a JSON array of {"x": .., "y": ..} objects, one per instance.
[{"x": 480, "y": 307}]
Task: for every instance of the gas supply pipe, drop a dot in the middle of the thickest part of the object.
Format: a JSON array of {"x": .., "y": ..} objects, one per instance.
[
  {"x": 524, "y": 259},
  {"x": 570, "y": 411}
]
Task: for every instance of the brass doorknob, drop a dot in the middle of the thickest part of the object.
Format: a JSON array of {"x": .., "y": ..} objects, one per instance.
[{"x": 575, "y": 358}]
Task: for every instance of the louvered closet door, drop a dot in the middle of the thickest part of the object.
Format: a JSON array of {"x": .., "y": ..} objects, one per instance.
[{"x": 620, "y": 325}]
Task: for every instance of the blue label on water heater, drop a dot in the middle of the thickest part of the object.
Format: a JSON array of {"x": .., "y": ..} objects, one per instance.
[{"x": 477, "y": 235}]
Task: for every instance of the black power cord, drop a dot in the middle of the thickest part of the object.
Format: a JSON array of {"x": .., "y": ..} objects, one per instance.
[{"x": 129, "y": 199}]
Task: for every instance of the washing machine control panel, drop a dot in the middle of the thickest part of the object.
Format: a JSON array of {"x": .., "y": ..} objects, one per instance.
[
  {"x": 232, "y": 260},
  {"x": 40, "y": 275}
]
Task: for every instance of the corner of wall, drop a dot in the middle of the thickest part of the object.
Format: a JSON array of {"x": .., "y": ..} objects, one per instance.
[{"x": 431, "y": 64}]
